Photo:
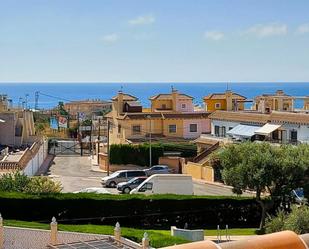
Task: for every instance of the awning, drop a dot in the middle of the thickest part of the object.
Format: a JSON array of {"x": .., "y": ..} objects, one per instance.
[
  {"x": 246, "y": 131},
  {"x": 267, "y": 129}
]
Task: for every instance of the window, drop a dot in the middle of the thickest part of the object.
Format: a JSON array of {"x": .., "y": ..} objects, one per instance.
[
  {"x": 218, "y": 105},
  {"x": 136, "y": 129},
  {"x": 163, "y": 106},
  {"x": 230, "y": 128},
  {"x": 183, "y": 106},
  {"x": 172, "y": 128},
  {"x": 217, "y": 128},
  {"x": 135, "y": 173},
  {"x": 146, "y": 186},
  {"x": 223, "y": 131},
  {"x": 193, "y": 127},
  {"x": 122, "y": 174},
  {"x": 294, "y": 135},
  {"x": 119, "y": 128}
]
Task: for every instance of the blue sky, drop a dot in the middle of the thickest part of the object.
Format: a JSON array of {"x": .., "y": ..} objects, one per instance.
[{"x": 154, "y": 40}]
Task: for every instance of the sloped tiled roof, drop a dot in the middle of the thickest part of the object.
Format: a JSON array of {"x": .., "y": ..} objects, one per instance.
[
  {"x": 222, "y": 96},
  {"x": 289, "y": 117},
  {"x": 184, "y": 115},
  {"x": 126, "y": 97},
  {"x": 240, "y": 116},
  {"x": 164, "y": 96}
]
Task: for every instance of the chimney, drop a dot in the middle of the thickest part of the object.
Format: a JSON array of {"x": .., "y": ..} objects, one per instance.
[
  {"x": 174, "y": 99},
  {"x": 229, "y": 100},
  {"x": 120, "y": 102}
]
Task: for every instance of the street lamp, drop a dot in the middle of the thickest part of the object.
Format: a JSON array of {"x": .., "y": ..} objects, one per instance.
[{"x": 150, "y": 154}]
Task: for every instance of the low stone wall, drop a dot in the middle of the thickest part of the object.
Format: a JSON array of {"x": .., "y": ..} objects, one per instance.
[{"x": 192, "y": 235}]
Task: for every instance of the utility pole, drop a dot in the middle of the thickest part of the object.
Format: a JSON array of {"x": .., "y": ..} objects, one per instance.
[
  {"x": 108, "y": 154},
  {"x": 98, "y": 150},
  {"x": 150, "y": 154}
]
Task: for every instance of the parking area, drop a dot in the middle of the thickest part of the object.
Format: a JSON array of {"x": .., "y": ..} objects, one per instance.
[{"x": 75, "y": 174}]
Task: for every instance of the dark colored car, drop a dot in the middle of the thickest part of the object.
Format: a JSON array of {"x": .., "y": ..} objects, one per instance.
[
  {"x": 157, "y": 169},
  {"x": 126, "y": 187}
]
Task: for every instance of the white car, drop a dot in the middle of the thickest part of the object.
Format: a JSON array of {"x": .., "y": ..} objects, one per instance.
[{"x": 93, "y": 190}]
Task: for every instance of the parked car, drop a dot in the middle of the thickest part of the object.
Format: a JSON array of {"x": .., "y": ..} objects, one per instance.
[
  {"x": 121, "y": 176},
  {"x": 126, "y": 187},
  {"x": 157, "y": 169},
  {"x": 166, "y": 184}
]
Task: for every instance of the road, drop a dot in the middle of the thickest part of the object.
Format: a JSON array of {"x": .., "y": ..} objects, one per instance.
[{"x": 74, "y": 173}]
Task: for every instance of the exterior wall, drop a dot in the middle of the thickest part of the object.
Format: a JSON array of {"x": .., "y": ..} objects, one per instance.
[
  {"x": 203, "y": 126},
  {"x": 87, "y": 108},
  {"x": 226, "y": 124},
  {"x": 7, "y": 129},
  {"x": 198, "y": 171},
  {"x": 174, "y": 162},
  {"x": 188, "y": 108},
  {"x": 157, "y": 104},
  {"x": 302, "y": 132},
  {"x": 210, "y": 104},
  {"x": 179, "y": 127},
  {"x": 36, "y": 160}
]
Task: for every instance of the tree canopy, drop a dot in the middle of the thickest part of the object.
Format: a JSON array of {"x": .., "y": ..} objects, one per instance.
[{"x": 264, "y": 168}]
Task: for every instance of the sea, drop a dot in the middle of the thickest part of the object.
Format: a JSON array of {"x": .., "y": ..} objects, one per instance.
[{"x": 50, "y": 94}]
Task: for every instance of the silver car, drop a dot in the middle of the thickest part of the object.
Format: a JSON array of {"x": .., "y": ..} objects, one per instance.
[
  {"x": 157, "y": 169},
  {"x": 121, "y": 176}
]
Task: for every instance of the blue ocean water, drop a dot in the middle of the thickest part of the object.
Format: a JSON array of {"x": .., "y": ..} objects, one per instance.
[{"x": 77, "y": 91}]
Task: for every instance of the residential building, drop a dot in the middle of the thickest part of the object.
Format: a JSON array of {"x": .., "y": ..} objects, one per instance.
[
  {"x": 131, "y": 123},
  {"x": 18, "y": 128},
  {"x": 87, "y": 107},
  {"x": 279, "y": 101},
  {"x": 281, "y": 127},
  {"x": 228, "y": 101},
  {"x": 175, "y": 101}
]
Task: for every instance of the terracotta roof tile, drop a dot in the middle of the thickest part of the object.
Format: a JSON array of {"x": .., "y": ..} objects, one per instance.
[
  {"x": 169, "y": 96},
  {"x": 240, "y": 116},
  {"x": 222, "y": 96}
]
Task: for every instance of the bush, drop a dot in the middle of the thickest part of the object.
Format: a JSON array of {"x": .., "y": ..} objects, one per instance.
[
  {"x": 42, "y": 185},
  {"x": 15, "y": 182},
  {"x": 157, "y": 211},
  {"x": 18, "y": 182},
  {"x": 139, "y": 154},
  {"x": 297, "y": 220}
]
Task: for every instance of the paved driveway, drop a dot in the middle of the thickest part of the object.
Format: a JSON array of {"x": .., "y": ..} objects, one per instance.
[{"x": 74, "y": 173}]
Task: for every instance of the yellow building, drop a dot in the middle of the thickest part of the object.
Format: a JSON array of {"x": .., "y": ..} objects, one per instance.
[
  {"x": 279, "y": 101},
  {"x": 130, "y": 123},
  {"x": 227, "y": 101}
]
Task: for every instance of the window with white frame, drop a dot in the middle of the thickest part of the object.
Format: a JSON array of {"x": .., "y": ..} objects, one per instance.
[
  {"x": 172, "y": 128},
  {"x": 218, "y": 105},
  {"x": 183, "y": 106},
  {"x": 193, "y": 127}
]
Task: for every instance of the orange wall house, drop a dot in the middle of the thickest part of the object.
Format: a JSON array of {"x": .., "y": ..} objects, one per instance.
[{"x": 227, "y": 101}]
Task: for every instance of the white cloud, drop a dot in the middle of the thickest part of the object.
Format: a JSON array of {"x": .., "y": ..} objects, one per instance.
[
  {"x": 303, "y": 29},
  {"x": 142, "y": 20},
  {"x": 110, "y": 38},
  {"x": 214, "y": 35},
  {"x": 262, "y": 31}
]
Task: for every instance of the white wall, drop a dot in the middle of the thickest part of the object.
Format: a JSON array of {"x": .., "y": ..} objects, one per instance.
[
  {"x": 226, "y": 124},
  {"x": 37, "y": 160},
  {"x": 302, "y": 131}
]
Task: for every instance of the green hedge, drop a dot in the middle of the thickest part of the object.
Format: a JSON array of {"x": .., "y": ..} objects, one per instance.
[
  {"x": 139, "y": 154},
  {"x": 158, "y": 211}
]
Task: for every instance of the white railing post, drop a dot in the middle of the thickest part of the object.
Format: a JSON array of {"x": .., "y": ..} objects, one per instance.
[
  {"x": 53, "y": 231},
  {"x": 145, "y": 241},
  {"x": 117, "y": 232}
]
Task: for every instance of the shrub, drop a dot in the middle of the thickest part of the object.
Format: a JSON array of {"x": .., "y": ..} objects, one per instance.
[
  {"x": 139, "y": 154},
  {"x": 13, "y": 182},
  {"x": 19, "y": 182},
  {"x": 297, "y": 220},
  {"x": 42, "y": 184},
  {"x": 157, "y": 211}
]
